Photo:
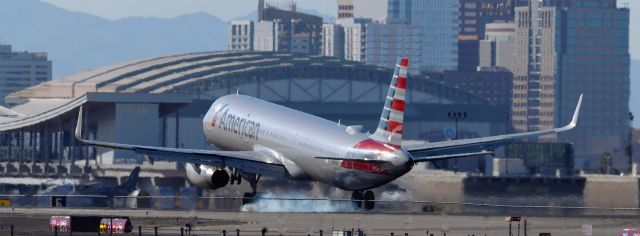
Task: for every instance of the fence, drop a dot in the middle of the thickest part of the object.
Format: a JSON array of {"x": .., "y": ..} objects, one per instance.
[
  {"x": 280, "y": 204},
  {"x": 140, "y": 231}
]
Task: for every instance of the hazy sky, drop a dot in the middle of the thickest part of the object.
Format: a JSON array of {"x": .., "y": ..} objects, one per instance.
[
  {"x": 224, "y": 9},
  {"x": 230, "y": 9}
]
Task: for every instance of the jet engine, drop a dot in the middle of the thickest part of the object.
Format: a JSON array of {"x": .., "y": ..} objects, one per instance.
[{"x": 204, "y": 176}]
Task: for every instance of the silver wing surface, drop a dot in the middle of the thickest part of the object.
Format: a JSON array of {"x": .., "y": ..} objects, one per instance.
[
  {"x": 478, "y": 146},
  {"x": 6, "y": 112},
  {"x": 247, "y": 161}
]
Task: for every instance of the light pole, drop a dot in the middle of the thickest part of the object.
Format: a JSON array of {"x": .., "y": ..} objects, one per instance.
[
  {"x": 506, "y": 123},
  {"x": 456, "y": 116}
]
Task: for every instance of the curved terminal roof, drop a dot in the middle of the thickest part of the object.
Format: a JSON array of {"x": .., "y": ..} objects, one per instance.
[
  {"x": 181, "y": 74},
  {"x": 177, "y": 72}
]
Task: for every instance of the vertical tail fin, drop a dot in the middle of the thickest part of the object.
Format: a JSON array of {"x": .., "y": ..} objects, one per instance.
[
  {"x": 390, "y": 127},
  {"x": 132, "y": 180}
]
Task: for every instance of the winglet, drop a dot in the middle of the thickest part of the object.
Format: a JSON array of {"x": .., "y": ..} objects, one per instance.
[
  {"x": 78, "y": 132},
  {"x": 574, "y": 120},
  {"x": 9, "y": 113}
]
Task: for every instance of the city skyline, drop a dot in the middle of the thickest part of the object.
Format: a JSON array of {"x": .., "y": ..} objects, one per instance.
[
  {"x": 60, "y": 51},
  {"x": 424, "y": 109},
  {"x": 230, "y": 10}
]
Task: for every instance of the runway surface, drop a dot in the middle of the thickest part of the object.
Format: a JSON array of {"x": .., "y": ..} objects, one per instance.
[{"x": 34, "y": 221}]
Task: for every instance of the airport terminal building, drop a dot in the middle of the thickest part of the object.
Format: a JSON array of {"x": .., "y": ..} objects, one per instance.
[{"x": 161, "y": 101}]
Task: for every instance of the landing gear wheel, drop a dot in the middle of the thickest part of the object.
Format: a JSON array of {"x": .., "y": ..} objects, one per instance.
[
  {"x": 356, "y": 199},
  {"x": 248, "y": 198},
  {"x": 369, "y": 200}
]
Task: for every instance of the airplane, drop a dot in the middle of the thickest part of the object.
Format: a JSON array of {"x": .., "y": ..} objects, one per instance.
[
  {"x": 106, "y": 192},
  {"x": 259, "y": 138},
  {"x": 6, "y": 112}
]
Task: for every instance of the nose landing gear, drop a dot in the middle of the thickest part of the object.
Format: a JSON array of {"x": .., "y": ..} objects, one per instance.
[{"x": 365, "y": 199}]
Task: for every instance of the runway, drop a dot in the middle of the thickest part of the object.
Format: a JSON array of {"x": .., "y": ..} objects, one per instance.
[{"x": 34, "y": 221}]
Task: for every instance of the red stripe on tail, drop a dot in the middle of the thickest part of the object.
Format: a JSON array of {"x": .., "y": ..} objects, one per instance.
[
  {"x": 394, "y": 127},
  {"x": 405, "y": 61},
  {"x": 397, "y": 105},
  {"x": 401, "y": 83}
]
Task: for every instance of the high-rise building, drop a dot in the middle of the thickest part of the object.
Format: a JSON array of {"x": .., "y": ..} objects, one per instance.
[
  {"x": 535, "y": 67},
  {"x": 385, "y": 43},
  {"x": 474, "y": 15},
  {"x": 437, "y": 22},
  {"x": 355, "y": 38},
  {"x": 497, "y": 49},
  {"x": 333, "y": 40},
  {"x": 595, "y": 61},
  {"x": 296, "y": 32},
  {"x": 345, "y": 9},
  {"x": 279, "y": 28},
  {"x": 19, "y": 70},
  {"x": 564, "y": 49},
  {"x": 266, "y": 36},
  {"x": 240, "y": 35},
  {"x": 376, "y": 10},
  {"x": 379, "y": 31}
]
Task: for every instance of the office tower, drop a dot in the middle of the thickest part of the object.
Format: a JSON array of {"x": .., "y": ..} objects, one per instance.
[
  {"x": 240, "y": 35},
  {"x": 266, "y": 36},
  {"x": 355, "y": 38},
  {"x": 565, "y": 48},
  {"x": 535, "y": 68},
  {"x": 437, "y": 22},
  {"x": 497, "y": 49},
  {"x": 376, "y": 10},
  {"x": 345, "y": 9},
  {"x": 333, "y": 40},
  {"x": 595, "y": 61},
  {"x": 474, "y": 15},
  {"x": 19, "y": 70},
  {"x": 385, "y": 43},
  {"x": 292, "y": 31}
]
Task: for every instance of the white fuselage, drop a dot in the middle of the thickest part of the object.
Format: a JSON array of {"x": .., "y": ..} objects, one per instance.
[{"x": 300, "y": 141}]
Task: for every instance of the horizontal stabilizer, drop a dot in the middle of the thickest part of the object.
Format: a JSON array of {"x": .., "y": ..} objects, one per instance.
[
  {"x": 457, "y": 155},
  {"x": 349, "y": 159}
]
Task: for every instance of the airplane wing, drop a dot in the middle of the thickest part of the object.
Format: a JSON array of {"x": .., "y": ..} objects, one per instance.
[
  {"x": 6, "y": 112},
  {"x": 248, "y": 161},
  {"x": 478, "y": 146}
]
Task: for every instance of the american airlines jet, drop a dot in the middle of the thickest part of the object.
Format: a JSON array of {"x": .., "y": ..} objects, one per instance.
[{"x": 260, "y": 138}]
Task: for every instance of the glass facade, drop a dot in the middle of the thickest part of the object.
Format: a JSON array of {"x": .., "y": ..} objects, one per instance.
[
  {"x": 437, "y": 22},
  {"x": 595, "y": 61},
  {"x": 568, "y": 48},
  {"x": 19, "y": 70}
]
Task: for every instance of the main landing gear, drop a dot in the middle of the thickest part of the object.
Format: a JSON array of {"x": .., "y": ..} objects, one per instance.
[
  {"x": 363, "y": 199},
  {"x": 250, "y": 197}
]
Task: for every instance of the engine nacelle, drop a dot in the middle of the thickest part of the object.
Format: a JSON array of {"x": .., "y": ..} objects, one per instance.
[{"x": 204, "y": 176}]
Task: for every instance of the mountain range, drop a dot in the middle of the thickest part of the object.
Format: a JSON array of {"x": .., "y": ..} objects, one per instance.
[{"x": 78, "y": 41}]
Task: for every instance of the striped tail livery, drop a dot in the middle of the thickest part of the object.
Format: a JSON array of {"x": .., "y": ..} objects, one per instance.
[{"x": 389, "y": 129}]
